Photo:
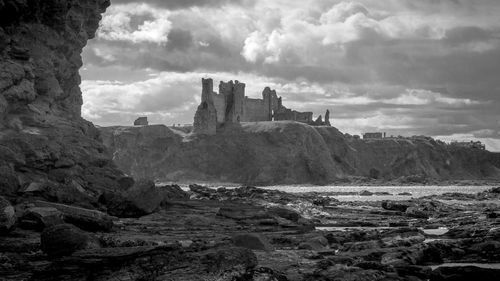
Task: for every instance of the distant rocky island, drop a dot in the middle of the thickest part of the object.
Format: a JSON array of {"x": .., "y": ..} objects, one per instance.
[{"x": 259, "y": 141}]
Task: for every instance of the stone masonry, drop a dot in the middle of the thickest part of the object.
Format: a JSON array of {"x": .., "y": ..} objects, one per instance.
[{"x": 231, "y": 106}]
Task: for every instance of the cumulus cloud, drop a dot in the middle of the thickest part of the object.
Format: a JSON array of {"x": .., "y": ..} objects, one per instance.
[
  {"x": 151, "y": 25},
  {"x": 403, "y": 66}
]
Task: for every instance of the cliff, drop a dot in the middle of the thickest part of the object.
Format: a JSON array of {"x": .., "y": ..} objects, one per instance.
[
  {"x": 287, "y": 153},
  {"x": 43, "y": 139},
  {"x": 260, "y": 153}
]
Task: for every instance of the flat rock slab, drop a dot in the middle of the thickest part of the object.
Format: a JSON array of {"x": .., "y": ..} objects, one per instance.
[{"x": 91, "y": 220}]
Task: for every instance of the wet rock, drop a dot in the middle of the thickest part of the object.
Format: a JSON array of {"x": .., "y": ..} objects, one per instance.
[
  {"x": 401, "y": 258},
  {"x": 489, "y": 250},
  {"x": 267, "y": 274},
  {"x": 415, "y": 212},
  {"x": 243, "y": 212},
  {"x": 19, "y": 53},
  {"x": 316, "y": 243},
  {"x": 172, "y": 192},
  {"x": 324, "y": 200},
  {"x": 146, "y": 196},
  {"x": 365, "y": 193},
  {"x": 65, "y": 239},
  {"x": 119, "y": 263},
  {"x": 39, "y": 218},
  {"x": 395, "y": 206},
  {"x": 252, "y": 241},
  {"x": 495, "y": 190},
  {"x": 219, "y": 260},
  {"x": 9, "y": 183},
  {"x": 202, "y": 191},
  {"x": 360, "y": 246},
  {"x": 142, "y": 199},
  {"x": 464, "y": 273},
  {"x": 7, "y": 216},
  {"x": 284, "y": 213},
  {"x": 91, "y": 220},
  {"x": 422, "y": 272}
]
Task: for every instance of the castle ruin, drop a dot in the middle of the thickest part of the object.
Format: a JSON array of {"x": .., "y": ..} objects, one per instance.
[{"x": 231, "y": 105}]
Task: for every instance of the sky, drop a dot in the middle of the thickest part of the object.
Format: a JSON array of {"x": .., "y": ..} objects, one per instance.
[{"x": 404, "y": 67}]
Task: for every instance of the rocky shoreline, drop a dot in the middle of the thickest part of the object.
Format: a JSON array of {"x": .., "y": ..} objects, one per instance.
[{"x": 249, "y": 233}]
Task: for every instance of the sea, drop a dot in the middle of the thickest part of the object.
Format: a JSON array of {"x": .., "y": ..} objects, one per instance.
[{"x": 353, "y": 193}]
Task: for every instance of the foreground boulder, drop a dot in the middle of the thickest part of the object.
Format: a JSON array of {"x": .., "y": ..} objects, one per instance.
[
  {"x": 65, "y": 239},
  {"x": 7, "y": 215},
  {"x": 39, "y": 218},
  {"x": 142, "y": 199},
  {"x": 252, "y": 241},
  {"x": 228, "y": 258},
  {"x": 91, "y": 220}
]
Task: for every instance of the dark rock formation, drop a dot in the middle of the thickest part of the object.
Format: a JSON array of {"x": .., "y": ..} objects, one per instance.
[
  {"x": 463, "y": 273},
  {"x": 252, "y": 241},
  {"x": 44, "y": 139},
  {"x": 91, "y": 220},
  {"x": 65, "y": 239},
  {"x": 39, "y": 218},
  {"x": 266, "y": 152},
  {"x": 142, "y": 199},
  {"x": 7, "y": 215},
  {"x": 290, "y": 152}
]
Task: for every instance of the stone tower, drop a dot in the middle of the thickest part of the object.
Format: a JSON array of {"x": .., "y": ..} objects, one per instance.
[
  {"x": 239, "y": 102},
  {"x": 234, "y": 92},
  {"x": 205, "y": 119},
  {"x": 327, "y": 118},
  {"x": 270, "y": 102}
]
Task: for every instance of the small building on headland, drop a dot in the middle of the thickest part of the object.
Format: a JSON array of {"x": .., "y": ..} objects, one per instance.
[
  {"x": 469, "y": 144},
  {"x": 377, "y": 135},
  {"x": 141, "y": 121},
  {"x": 231, "y": 105}
]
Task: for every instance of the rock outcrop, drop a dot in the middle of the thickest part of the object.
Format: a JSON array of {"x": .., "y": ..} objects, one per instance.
[
  {"x": 290, "y": 152},
  {"x": 65, "y": 239},
  {"x": 43, "y": 138},
  {"x": 262, "y": 152},
  {"x": 7, "y": 216}
]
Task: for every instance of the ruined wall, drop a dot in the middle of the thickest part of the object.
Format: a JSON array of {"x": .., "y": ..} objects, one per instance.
[
  {"x": 239, "y": 102},
  {"x": 284, "y": 113},
  {"x": 256, "y": 110},
  {"x": 220, "y": 106}
]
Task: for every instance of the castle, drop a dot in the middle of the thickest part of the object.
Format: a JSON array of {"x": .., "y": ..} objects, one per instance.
[{"x": 231, "y": 105}]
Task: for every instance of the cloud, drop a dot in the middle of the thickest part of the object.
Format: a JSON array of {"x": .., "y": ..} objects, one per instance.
[
  {"x": 407, "y": 67},
  {"x": 183, "y": 4},
  {"x": 135, "y": 23}
]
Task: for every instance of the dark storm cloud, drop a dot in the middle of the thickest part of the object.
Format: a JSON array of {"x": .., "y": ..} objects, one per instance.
[{"x": 179, "y": 39}]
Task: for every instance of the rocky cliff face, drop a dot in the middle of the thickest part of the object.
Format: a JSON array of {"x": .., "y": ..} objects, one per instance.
[
  {"x": 258, "y": 153},
  {"x": 43, "y": 139},
  {"x": 288, "y": 153}
]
